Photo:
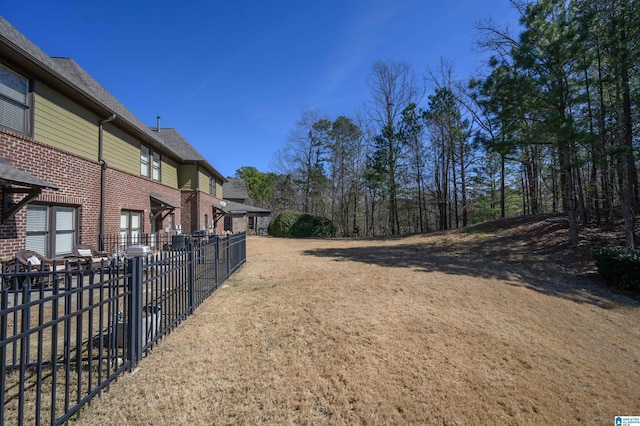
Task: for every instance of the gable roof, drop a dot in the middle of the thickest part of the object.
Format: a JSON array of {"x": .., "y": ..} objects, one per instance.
[
  {"x": 235, "y": 188},
  {"x": 178, "y": 144},
  {"x": 173, "y": 140}
]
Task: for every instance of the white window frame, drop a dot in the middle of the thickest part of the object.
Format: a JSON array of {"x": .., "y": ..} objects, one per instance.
[
  {"x": 145, "y": 154},
  {"x": 130, "y": 234},
  {"x": 156, "y": 166},
  {"x": 150, "y": 163}
]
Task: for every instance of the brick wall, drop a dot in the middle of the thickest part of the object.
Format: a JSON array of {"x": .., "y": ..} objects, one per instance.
[
  {"x": 78, "y": 180},
  {"x": 125, "y": 191},
  {"x": 206, "y": 207},
  {"x": 195, "y": 205},
  {"x": 189, "y": 217}
]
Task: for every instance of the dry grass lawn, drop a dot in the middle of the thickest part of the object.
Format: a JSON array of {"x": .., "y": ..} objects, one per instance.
[{"x": 487, "y": 326}]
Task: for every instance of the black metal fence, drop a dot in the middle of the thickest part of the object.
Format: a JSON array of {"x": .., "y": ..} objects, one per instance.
[{"x": 68, "y": 332}]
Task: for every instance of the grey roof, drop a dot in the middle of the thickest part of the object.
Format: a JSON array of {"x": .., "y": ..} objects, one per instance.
[
  {"x": 79, "y": 77},
  {"x": 233, "y": 207},
  {"x": 235, "y": 188},
  {"x": 67, "y": 72},
  {"x": 14, "y": 175},
  {"x": 160, "y": 199},
  {"x": 173, "y": 140},
  {"x": 18, "y": 40},
  {"x": 178, "y": 144}
]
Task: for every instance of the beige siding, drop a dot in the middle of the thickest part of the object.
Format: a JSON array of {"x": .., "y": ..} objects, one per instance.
[
  {"x": 219, "y": 193},
  {"x": 61, "y": 123}
]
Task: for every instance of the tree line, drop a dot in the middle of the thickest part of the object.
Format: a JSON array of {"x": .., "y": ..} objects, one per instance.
[{"x": 551, "y": 126}]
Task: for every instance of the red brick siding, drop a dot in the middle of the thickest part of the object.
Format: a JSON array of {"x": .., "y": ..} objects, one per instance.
[
  {"x": 207, "y": 202},
  {"x": 78, "y": 180},
  {"x": 125, "y": 191},
  {"x": 195, "y": 204}
]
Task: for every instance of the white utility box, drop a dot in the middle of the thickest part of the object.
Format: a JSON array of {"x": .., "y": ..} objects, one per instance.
[{"x": 136, "y": 251}]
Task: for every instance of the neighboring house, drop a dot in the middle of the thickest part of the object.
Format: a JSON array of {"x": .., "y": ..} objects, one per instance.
[
  {"x": 241, "y": 215},
  {"x": 76, "y": 166}
]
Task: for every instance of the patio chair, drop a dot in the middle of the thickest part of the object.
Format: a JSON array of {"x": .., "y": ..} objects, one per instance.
[
  {"x": 91, "y": 255},
  {"x": 29, "y": 260}
]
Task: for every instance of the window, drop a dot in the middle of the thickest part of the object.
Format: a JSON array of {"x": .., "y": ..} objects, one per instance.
[
  {"x": 251, "y": 222},
  {"x": 150, "y": 163},
  {"x": 51, "y": 230},
  {"x": 130, "y": 227},
  {"x": 155, "y": 172},
  {"x": 65, "y": 230},
  {"x": 144, "y": 160},
  {"x": 212, "y": 186},
  {"x": 14, "y": 101},
  {"x": 172, "y": 221},
  {"x": 37, "y": 229}
]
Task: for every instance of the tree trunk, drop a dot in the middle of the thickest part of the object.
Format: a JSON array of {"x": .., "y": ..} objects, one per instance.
[
  {"x": 569, "y": 191},
  {"x": 629, "y": 168},
  {"x": 502, "y": 189}
]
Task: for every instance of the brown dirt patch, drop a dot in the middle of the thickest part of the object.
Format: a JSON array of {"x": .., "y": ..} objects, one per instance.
[{"x": 491, "y": 325}]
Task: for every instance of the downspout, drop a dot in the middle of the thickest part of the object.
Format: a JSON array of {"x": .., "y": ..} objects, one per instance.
[{"x": 103, "y": 178}]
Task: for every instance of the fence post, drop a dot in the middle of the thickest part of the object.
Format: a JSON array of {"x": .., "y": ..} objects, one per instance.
[
  {"x": 244, "y": 258},
  {"x": 191, "y": 257},
  {"x": 243, "y": 249},
  {"x": 4, "y": 304},
  {"x": 216, "y": 259},
  {"x": 228, "y": 256},
  {"x": 134, "y": 312}
]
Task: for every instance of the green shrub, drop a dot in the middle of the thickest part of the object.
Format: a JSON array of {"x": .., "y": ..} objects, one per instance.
[
  {"x": 301, "y": 225},
  {"x": 281, "y": 225},
  {"x": 313, "y": 226},
  {"x": 620, "y": 267}
]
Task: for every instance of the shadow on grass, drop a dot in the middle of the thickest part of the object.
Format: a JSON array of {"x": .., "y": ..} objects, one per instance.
[{"x": 537, "y": 257}]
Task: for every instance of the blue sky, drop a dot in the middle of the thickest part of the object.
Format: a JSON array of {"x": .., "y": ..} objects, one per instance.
[{"x": 233, "y": 77}]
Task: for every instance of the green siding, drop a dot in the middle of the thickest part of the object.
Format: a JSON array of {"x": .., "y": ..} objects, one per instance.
[
  {"x": 187, "y": 176},
  {"x": 64, "y": 124},
  {"x": 169, "y": 172},
  {"x": 121, "y": 150},
  {"x": 203, "y": 180},
  {"x": 61, "y": 123}
]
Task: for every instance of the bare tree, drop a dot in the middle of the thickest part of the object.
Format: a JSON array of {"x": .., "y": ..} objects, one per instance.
[
  {"x": 393, "y": 88},
  {"x": 303, "y": 158}
]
